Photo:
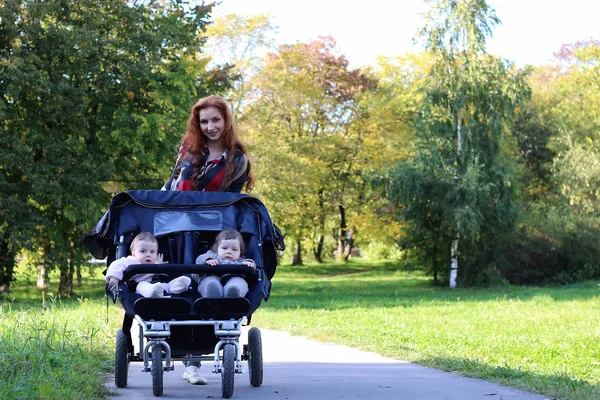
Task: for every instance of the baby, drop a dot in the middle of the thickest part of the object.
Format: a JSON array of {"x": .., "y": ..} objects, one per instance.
[
  {"x": 228, "y": 248},
  {"x": 144, "y": 250}
]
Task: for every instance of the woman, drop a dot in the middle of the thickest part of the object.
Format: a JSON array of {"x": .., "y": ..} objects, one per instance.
[{"x": 213, "y": 159}]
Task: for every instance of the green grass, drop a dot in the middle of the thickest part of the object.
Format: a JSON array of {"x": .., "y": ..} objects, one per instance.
[
  {"x": 544, "y": 340},
  {"x": 54, "y": 348}
]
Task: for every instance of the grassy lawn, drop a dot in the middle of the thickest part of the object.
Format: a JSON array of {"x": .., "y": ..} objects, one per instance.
[
  {"x": 544, "y": 340},
  {"x": 52, "y": 348}
]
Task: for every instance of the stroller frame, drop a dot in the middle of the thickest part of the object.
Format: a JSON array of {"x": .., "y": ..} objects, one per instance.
[{"x": 156, "y": 332}]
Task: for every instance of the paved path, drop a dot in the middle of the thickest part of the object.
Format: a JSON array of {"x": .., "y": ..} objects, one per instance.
[{"x": 296, "y": 368}]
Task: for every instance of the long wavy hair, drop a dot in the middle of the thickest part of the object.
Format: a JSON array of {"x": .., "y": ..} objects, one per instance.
[{"x": 196, "y": 141}]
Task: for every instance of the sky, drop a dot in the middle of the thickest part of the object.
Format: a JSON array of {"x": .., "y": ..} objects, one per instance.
[{"x": 530, "y": 32}]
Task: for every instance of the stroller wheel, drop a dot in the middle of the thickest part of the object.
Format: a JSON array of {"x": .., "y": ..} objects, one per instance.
[
  {"x": 255, "y": 359},
  {"x": 228, "y": 370},
  {"x": 121, "y": 360},
  {"x": 157, "y": 370}
]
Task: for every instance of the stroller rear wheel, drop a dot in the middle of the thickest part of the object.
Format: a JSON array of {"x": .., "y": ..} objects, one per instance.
[
  {"x": 228, "y": 370},
  {"x": 157, "y": 370},
  {"x": 255, "y": 359},
  {"x": 121, "y": 360}
]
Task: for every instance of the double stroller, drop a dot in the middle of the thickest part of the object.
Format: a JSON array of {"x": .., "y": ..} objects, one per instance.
[{"x": 186, "y": 326}]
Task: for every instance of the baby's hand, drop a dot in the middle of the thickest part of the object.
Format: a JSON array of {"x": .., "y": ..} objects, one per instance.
[
  {"x": 249, "y": 264},
  {"x": 159, "y": 259},
  {"x": 212, "y": 261},
  {"x": 113, "y": 283}
]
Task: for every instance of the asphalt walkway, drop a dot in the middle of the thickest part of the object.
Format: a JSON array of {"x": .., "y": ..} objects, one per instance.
[{"x": 296, "y": 368}]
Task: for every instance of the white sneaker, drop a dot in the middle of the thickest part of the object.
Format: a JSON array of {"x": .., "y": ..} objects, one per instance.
[{"x": 192, "y": 375}]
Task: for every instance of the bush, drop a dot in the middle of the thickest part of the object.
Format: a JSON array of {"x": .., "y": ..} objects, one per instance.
[
  {"x": 381, "y": 251},
  {"x": 543, "y": 255}
]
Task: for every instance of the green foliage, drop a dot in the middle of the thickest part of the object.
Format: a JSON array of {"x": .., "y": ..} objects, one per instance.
[
  {"x": 94, "y": 99},
  {"x": 240, "y": 41},
  {"x": 551, "y": 246},
  {"x": 306, "y": 128},
  {"x": 460, "y": 184},
  {"x": 382, "y": 251},
  {"x": 557, "y": 134}
]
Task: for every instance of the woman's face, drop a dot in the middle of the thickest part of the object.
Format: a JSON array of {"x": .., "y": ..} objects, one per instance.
[{"x": 212, "y": 124}]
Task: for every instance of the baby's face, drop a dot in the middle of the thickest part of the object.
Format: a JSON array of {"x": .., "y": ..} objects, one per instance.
[
  {"x": 229, "y": 249},
  {"x": 145, "y": 251}
]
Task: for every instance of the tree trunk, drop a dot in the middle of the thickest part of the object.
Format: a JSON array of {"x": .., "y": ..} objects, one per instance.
[
  {"x": 42, "y": 281},
  {"x": 459, "y": 133},
  {"x": 348, "y": 244},
  {"x": 318, "y": 249},
  {"x": 297, "y": 258},
  {"x": 65, "y": 285},
  {"x": 454, "y": 262},
  {"x": 7, "y": 266},
  {"x": 454, "y": 245},
  {"x": 341, "y": 233},
  {"x": 434, "y": 262},
  {"x": 79, "y": 278}
]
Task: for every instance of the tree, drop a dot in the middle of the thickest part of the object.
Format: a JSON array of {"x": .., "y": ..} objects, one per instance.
[
  {"x": 88, "y": 93},
  {"x": 391, "y": 111},
  {"x": 459, "y": 188},
  {"x": 306, "y": 107},
  {"x": 557, "y": 134},
  {"x": 577, "y": 100},
  {"x": 241, "y": 42}
]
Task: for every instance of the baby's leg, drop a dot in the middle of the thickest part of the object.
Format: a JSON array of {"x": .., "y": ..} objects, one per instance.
[
  {"x": 179, "y": 285},
  {"x": 236, "y": 287},
  {"x": 210, "y": 287},
  {"x": 148, "y": 289}
]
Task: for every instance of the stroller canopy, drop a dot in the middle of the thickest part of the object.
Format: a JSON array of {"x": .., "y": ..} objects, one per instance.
[{"x": 166, "y": 212}]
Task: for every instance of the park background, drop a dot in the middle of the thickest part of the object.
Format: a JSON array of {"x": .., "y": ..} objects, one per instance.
[{"x": 446, "y": 156}]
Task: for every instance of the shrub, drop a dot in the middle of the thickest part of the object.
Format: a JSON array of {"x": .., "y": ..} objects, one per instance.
[{"x": 377, "y": 250}]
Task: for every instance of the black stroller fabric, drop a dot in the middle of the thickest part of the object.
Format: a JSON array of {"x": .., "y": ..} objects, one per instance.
[{"x": 187, "y": 222}]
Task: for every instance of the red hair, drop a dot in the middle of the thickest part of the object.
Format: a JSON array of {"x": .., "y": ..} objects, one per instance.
[{"x": 195, "y": 141}]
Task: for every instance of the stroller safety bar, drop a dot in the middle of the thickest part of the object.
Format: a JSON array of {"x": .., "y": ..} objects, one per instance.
[{"x": 172, "y": 269}]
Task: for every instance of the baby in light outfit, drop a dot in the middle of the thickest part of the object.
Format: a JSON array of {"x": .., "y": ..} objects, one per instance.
[
  {"x": 228, "y": 248},
  {"x": 144, "y": 250}
]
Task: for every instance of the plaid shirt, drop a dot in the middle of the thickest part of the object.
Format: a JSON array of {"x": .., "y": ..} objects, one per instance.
[{"x": 212, "y": 174}]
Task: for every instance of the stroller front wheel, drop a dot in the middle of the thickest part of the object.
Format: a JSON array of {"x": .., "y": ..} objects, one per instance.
[
  {"x": 228, "y": 370},
  {"x": 157, "y": 370},
  {"x": 121, "y": 360}
]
